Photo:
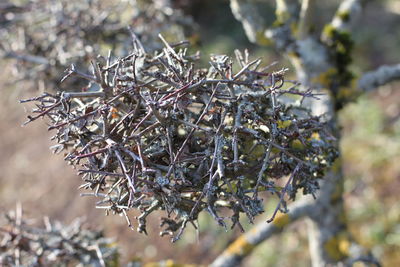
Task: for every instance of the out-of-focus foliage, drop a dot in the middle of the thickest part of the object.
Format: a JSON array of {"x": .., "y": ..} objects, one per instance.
[
  {"x": 47, "y": 36},
  {"x": 53, "y": 244},
  {"x": 371, "y": 151}
]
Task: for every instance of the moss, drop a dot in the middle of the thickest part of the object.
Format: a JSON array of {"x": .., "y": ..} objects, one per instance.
[
  {"x": 240, "y": 247},
  {"x": 281, "y": 220}
]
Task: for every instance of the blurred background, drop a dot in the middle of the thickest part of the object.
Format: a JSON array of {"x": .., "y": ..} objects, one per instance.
[{"x": 45, "y": 185}]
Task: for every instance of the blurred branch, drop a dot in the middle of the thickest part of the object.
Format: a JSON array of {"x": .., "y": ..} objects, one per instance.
[
  {"x": 247, "y": 242},
  {"x": 305, "y": 21},
  {"x": 368, "y": 260},
  {"x": 28, "y": 58},
  {"x": 383, "y": 75},
  {"x": 347, "y": 14},
  {"x": 287, "y": 10},
  {"x": 24, "y": 244},
  {"x": 248, "y": 15},
  {"x": 318, "y": 65}
]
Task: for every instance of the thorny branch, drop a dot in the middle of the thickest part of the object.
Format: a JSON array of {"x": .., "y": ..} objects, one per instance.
[
  {"x": 171, "y": 136},
  {"x": 45, "y": 36},
  {"x": 24, "y": 244}
]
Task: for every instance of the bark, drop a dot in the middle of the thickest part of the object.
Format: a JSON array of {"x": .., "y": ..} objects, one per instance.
[
  {"x": 383, "y": 75},
  {"x": 316, "y": 65},
  {"x": 244, "y": 245}
]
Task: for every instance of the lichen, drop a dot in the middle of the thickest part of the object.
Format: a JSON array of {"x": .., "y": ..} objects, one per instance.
[
  {"x": 282, "y": 16},
  {"x": 297, "y": 144},
  {"x": 337, "y": 194},
  {"x": 325, "y": 79},
  {"x": 341, "y": 47},
  {"x": 240, "y": 247},
  {"x": 343, "y": 15},
  {"x": 281, "y": 220},
  {"x": 168, "y": 263},
  {"x": 262, "y": 39},
  {"x": 294, "y": 26},
  {"x": 339, "y": 79},
  {"x": 336, "y": 166},
  {"x": 338, "y": 247}
]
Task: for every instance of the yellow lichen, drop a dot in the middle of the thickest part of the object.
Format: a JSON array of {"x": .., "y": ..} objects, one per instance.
[
  {"x": 336, "y": 166},
  {"x": 168, "y": 263},
  {"x": 329, "y": 31},
  {"x": 152, "y": 264},
  {"x": 337, "y": 193},
  {"x": 348, "y": 93},
  {"x": 297, "y": 144},
  {"x": 275, "y": 150},
  {"x": 315, "y": 136},
  {"x": 262, "y": 39},
  {"x": 294, "y": 28},
  {"x": 343, "y": 15},
  {"x": 240, "y": 247},
  {"x": 338, "y": 247},
  {"x": 282, "y": 15},
  {"x": 325, "y": 78},
  {"x": 342, "y": 217},
  {"x": 284, "y": 124},
  {"x": 281, "y": 220}
]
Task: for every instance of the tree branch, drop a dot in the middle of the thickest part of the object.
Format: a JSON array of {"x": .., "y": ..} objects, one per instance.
[
  {"x": 250, "y": 18},
  {"x": 383, "y": 75},
  {"x": 347, "y": 14},
  {"x": 305, "y": 21},
  {"x": 28, "y": 58},
  {"x": 287, "y": 10},
  {"x": 246, "y": 243}
]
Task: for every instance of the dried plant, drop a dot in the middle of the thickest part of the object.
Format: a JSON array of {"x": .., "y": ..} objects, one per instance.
[
  {"x": 47, "y": 36},
  {"x": 155, "y": 132},
  {"x": 53, "y": 244}
]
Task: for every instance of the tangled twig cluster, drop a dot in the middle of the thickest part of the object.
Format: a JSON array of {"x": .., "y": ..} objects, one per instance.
[
  {"x": 47, "y": 36},
  {"x": 23, "y": 244},
  {"x": 155, "y": 132}
]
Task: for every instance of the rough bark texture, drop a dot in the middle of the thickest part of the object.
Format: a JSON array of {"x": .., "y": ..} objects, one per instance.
[{"x": 321, "y": 63}]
